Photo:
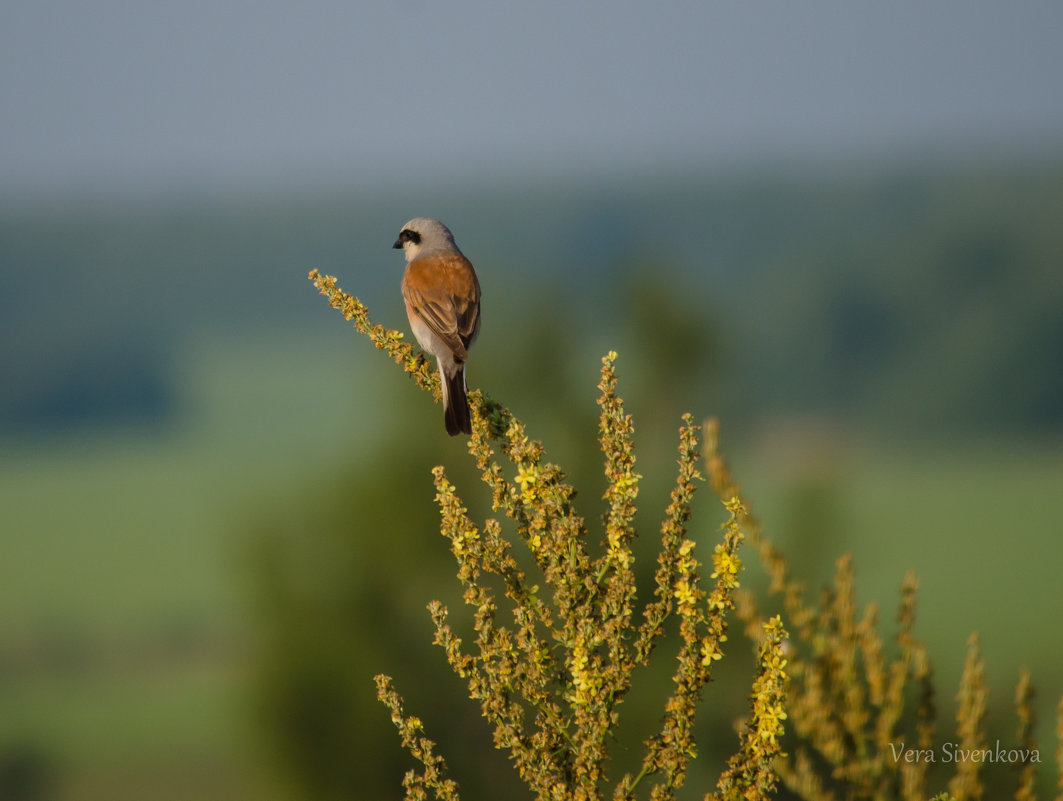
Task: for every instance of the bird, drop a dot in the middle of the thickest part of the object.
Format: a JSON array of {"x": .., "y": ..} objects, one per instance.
[{"x": 442, "y": 295}]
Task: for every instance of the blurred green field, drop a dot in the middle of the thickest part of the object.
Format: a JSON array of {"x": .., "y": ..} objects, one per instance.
[
  {"x": 979, "y": 524},
  {"x": 124, "y": 650},
  {"x": 124, "y": 635},
  {"x": 153, "y": 511}
]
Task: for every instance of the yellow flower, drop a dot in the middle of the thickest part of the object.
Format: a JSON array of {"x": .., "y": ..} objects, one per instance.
[
  {"x": 528, "y": 478},
  {"x": 735, "y": 506},
  {"x": 771, "y": 719},
  {"x": 686, "y": 595},
  {"x": 726, "y": 564},
  {"x": 710, "y": 652},
  {"x": 582, "y": 680}
]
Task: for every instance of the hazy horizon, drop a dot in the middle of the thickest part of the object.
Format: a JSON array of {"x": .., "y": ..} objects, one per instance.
[{"x": 101, "y": 99}]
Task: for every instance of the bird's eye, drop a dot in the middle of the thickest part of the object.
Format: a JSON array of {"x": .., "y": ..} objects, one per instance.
[{"x": 410, "y": 236}]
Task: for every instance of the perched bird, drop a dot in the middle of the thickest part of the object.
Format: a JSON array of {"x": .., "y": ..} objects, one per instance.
[{"x": 443, "y": 303}]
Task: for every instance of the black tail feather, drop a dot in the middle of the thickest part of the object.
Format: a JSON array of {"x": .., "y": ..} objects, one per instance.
[{"x": 456, "y": 404}]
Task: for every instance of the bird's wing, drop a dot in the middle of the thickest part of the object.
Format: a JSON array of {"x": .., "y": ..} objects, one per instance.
[{"x": 443, "y": 290}]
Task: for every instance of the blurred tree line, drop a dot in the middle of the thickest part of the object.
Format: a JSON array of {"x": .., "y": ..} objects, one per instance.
[{"x": 912, "y": 301}]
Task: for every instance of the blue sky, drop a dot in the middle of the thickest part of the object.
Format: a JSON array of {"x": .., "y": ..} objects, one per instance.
[{"x": 106, "y": 96}]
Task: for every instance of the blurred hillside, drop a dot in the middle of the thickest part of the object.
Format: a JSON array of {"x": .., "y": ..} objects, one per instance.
[
  {"x": 908, "y": 301},
  {"x": 216, "y": 518}
]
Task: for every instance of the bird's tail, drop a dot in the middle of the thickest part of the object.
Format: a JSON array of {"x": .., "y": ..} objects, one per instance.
[{"x": 455, "y": 402}]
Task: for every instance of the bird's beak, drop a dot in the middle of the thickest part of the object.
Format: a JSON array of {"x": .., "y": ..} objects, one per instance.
[{"x": 398, "y": 244}]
